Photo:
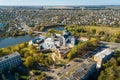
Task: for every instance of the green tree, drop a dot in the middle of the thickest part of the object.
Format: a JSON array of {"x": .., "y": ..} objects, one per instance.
[
  {"x": 17, "y": 76},
  {"x": 93, "y": 31},
  {"x": 93, "y": 41},
  {"x": 72, "y": 53},
  {"x": 29, "y": 62},
  {"x": 3, "y": 77}
]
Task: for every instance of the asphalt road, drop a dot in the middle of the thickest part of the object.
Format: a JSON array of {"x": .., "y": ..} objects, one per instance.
[
  {"x": 90, "y": 54},
  {"x": 26, "y": 27},
  {"x": 102, "y": 46},
  {"x": 62, "y": 71},
  {"x": 111, "y": 45}
]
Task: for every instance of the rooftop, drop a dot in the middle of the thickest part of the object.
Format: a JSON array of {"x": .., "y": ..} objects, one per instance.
[
  {"x": 84, "y": 38},
  {"x": 9, "y": 56},
  {"x": 63, "y": 51},
  {"x": 38, "y": 39},
  {"x": 103, "y": 53}
]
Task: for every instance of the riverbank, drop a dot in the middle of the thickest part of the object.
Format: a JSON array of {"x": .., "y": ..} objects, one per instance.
[
  {"x": 56, "y": 27},
  {"x": 14, "y": 33},
  {"x": 11, "y": 41}
]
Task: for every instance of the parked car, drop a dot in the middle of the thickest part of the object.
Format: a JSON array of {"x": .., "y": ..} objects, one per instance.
[
  {"x": 67, "y": 65},
  {"x": 58, "y": 73}
]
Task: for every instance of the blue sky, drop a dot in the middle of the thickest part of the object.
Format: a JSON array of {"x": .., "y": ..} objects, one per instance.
[{"x": 59, "y": 2}]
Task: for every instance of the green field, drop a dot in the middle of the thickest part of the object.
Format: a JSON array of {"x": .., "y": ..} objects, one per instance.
[{"x": 110, "y": 30}]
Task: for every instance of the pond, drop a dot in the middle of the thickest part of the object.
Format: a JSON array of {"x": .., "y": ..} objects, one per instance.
[
  {"x": 5, "y": 42},
  {"x": 60, "y": 28}
]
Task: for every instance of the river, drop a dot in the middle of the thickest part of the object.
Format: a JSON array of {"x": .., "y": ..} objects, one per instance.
[{"x": 5, "y": 42}]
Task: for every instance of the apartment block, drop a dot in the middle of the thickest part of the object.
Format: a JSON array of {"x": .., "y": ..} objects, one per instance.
[
  {"x": 12, "y": 60},
  {"x": 103, "y": 56}
]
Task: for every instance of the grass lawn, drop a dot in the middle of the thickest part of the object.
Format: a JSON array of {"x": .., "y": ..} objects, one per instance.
[
  {"x": 24, "y": 77},
  {"x": 110, "y": 30}
]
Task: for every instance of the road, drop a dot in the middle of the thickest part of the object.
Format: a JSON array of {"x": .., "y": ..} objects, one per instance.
[
  {"x": 102, "y": 46},
  {"x": 111, "y": 45},
  {"x": 63, "y": 70},
  {"x": 28, "y": 29},
  {"x": 90, "y": 54}
]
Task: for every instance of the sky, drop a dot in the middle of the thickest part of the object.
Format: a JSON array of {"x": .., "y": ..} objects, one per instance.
[{"x": 59, "y": 2}]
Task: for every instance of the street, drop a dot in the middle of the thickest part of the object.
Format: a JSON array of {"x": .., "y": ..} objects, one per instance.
[{"x": 61, "y": 71}]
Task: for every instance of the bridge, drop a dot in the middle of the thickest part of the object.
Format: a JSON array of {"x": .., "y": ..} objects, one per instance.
[
  {"x": 28, "y": 29},
  {"x": 37, "y": 32}
]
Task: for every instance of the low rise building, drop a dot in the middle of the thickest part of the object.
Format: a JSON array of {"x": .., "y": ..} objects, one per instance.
[
  {"x": 60, "y": 53},
  {"x": 103, "y": 56},
  {"x": 83, "y": 39},
  {"x": 63, "y": 52},
  {"x": 12, "y": 60},
  {"x": 58, "y": 41},
  {"x": 37, "y": 41}
]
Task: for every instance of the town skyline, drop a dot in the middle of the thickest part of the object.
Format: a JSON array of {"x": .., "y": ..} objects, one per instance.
[
  {"x": 59, "y": 40},
  {"x": 57, "y": 3}
]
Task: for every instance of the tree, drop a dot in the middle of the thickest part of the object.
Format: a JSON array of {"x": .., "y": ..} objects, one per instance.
[
  {"x": 16, "y": 76},
  {"x": 22, "y": 45},
  {"x": 101, "y": 32},
  {"x": 111, "y": 68},
  {"x": 93, "y": 31},
  {"x": 93, "y": 41},
  {"x": 30, "y": 33},
  {"x": 42, "y": 76},
  {"x": 15, "y": 48},
  {"x": 3, "y": 77},
  {"x": 29, "y": 62},
  {"x": 72, "y": 53},
  {"x": 117, "y": 37},
  {"x": 80, "y": 49}
]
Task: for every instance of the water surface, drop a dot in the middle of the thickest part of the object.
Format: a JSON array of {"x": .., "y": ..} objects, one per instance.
[
  {"x": 5, "y": 42},
  {"x": 60, "y": 28}
]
